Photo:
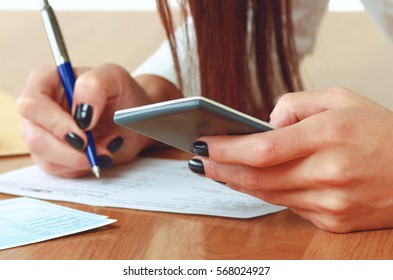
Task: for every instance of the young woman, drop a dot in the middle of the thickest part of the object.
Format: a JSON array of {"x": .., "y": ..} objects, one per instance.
[{"x": 330, "y": 161}]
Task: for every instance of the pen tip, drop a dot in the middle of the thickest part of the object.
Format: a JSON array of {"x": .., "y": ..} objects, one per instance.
[{"x": 96, "y": 171}]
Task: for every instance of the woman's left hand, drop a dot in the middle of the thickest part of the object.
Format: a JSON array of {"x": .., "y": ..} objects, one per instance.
[{"x": 331, "y": 160}]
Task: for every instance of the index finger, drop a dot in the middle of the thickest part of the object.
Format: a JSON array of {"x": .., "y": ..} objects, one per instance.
[
  {"x": 43, "y": 102},
  {"x": 267, "y": 148}
]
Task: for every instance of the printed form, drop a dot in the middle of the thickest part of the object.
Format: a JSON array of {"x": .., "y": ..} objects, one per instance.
[
  {"x": 147, "y": 184},
  {"x": 26, "y": 220}
]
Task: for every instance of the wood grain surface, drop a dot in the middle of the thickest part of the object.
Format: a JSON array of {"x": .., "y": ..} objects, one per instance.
[{"x": 154, "y": 235}]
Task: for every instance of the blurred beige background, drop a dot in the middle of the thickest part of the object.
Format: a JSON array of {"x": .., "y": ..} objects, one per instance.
[
  {"x": 351, "y": 51},
  {"x": 92, "y": 38}
]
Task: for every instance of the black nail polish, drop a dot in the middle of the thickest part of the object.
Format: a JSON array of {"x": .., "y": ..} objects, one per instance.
[
  {"x": 115, "y": 144},
  {"x": 83, "y": 115},
  {"x": 104, "y": 161},
  {"x": 200, "y": 148},
  {"x": 75, "y": 141},
  {"x": 222, "y": 183},
  {"x": 196, "y": 166}
]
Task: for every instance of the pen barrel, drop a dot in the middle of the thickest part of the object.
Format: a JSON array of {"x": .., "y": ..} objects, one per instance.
[
  {"x": 67, "y": 77},
  {"x": 66, "y": 72},
  {"x": 91, "y": 150}
]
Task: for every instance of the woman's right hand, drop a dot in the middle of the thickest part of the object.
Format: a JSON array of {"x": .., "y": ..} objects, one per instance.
[{"x": 56, "y": 138}]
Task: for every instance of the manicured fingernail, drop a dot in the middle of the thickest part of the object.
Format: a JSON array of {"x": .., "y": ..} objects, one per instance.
[
  {"x": 115, "y": 144},
  {"x": 196, "y": 166},
  {"x": 223, "y": 183},
  {"x": 83, "y": 115},
  {"x": 104, "y": 161},
  {"x": 75, "y": 141},
  {"x": 200, "y": 148}
]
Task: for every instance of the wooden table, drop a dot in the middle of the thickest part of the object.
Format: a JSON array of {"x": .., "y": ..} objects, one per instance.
[{"x": 153, "y": 235}]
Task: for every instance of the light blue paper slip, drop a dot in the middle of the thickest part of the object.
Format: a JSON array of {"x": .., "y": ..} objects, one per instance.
[{"x": 25, "y": 220}]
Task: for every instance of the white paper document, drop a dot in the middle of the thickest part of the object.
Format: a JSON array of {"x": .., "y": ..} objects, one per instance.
[
  {"x": 146, "y": 184},
  {"x": 26, "y": 220}
]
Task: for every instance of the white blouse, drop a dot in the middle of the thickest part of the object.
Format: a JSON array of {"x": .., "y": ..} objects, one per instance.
[{"x": 307, "y": 15}]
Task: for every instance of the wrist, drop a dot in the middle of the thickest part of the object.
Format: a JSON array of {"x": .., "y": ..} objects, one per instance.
[{"x": 157, "y": 88}]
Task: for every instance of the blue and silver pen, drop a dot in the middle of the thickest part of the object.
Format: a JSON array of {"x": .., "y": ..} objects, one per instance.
[{"x": 65, "y": 71}]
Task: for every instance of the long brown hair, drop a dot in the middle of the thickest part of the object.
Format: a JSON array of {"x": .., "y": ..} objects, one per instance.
[{"x": 237, "y": 39}]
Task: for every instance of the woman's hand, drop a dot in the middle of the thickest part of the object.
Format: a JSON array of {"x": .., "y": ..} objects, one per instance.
[
  {"x": 331, "y": 160},
  {"x": 56, "y": 138}
]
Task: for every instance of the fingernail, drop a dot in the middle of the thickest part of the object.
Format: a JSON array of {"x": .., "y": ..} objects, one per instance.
[
  {"x": 200, "y": 148},
  {"x": 104, "y": 161},
  {"x": 83, "y": 115},
  {"x": 196, "y": 166},
  {"x": 115, "y": 144},
  {"x": 75, "y": 141},
  {"x": 223, "y": 183}
]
